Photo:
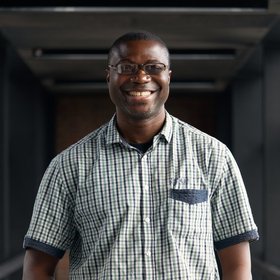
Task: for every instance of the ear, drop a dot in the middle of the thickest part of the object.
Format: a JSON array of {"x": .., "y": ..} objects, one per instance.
[
  {"x": 169, "y": 74},
  {"x": 107, "y": 75}
]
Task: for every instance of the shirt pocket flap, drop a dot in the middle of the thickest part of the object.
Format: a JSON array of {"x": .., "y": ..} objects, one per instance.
[{"x": 190, "y": 196}]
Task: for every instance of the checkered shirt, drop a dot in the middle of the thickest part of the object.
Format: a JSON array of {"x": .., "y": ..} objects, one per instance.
[{"x": 128, "y": 215}]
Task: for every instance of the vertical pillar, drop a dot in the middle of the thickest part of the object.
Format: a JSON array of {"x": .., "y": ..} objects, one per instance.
[
  {"x": 248, "y": 138},
  {"x": 26, "y": 141},
  {"x": 4, "y": 161},
  {"x": 272, "y": 153}
]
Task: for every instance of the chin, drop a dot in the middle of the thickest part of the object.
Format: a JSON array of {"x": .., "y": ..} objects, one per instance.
[{"x": 141, "y": 115}]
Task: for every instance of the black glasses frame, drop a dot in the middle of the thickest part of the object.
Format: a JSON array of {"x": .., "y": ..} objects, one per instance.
[{"x": 136, "y": 68}]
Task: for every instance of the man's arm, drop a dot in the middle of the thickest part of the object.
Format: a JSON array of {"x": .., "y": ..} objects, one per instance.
[
  {"x": 236, "y": 262},
  {"x": 38, "y": 265}
]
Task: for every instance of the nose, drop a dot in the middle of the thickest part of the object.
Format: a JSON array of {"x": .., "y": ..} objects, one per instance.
[{"x": 140, "y": 77}]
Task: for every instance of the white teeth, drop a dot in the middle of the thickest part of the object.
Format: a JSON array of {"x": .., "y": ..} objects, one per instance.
[{"x": 139, "y": 93}]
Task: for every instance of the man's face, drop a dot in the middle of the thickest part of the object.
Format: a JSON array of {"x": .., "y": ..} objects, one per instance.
[{"x": 139, "y": 96}]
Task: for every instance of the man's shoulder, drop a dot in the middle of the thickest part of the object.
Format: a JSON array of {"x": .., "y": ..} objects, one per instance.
[
  {"x": 196, "y": 137},
  {"x": 200, "y": 146},
  {"x": 86, "y": 146}
]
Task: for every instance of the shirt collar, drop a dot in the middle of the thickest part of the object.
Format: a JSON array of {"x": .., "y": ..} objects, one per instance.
[
  {"x": 167, "y": 129},
  {"x": 113, "y": 135}
]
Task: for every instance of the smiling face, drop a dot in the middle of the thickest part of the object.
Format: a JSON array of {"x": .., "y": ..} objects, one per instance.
[{"x": 139, "y": 96}]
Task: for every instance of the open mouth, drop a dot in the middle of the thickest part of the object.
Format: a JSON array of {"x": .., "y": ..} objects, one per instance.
[{"x": 139, "y": 93}]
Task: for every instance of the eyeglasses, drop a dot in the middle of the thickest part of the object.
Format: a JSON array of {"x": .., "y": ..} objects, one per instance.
[{"x": 132, "y": 68}]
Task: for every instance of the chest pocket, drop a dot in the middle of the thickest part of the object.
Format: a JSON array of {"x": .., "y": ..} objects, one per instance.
[
  {"x": 190, "y": 196},
  {"x": 189, "y": 212}
]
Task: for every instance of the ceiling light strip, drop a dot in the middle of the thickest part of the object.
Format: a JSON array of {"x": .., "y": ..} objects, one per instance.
[
  {"x": 155, "y": 10},
  {"x": 90, "y": 55}
]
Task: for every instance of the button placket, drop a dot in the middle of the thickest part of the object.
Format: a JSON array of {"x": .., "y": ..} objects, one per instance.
[{"x": 146, "y": 175}]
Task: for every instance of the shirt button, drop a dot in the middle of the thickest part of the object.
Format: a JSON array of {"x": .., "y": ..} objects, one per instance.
[
  {"x": 146, "y": 188},
  {"x": 147, "y": 220},
  {"x": 144, "y": 157},
  {"x": 148, "y": 253}
]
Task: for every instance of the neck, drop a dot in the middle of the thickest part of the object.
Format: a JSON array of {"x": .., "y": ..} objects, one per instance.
[{"x": 140, "y": 131}]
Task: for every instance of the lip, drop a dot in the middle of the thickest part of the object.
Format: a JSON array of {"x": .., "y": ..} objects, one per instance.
[
  {"x": 140, "y": 88},
  {"x": 139, "y": 93}
]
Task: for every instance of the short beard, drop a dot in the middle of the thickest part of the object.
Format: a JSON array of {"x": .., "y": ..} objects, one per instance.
[{"x": 142, "y": 116}]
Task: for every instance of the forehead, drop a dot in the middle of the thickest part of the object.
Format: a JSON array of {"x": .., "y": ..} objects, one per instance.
[{"x": 140, "y": 51}]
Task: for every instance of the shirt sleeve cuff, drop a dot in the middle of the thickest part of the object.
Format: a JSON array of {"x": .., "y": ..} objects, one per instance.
[
  {"x": 34, "y": 244},
  {"x": 247, "y": 236}
]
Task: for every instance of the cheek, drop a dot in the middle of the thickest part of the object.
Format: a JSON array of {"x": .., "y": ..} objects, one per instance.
[
  {"x": 116, "y": 81},
  {"x": 165, "y": 81},
  {"x": 113, "y": 84},
  {"x": 165, "y": 77}
]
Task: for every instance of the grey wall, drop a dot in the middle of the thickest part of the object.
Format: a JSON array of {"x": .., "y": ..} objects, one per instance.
[
  {"x": 25, "y": 148},
  {"x": 256, "y": 146},
  {"x": 247, "y": 135},
  {"x": 272, "y": 153}
]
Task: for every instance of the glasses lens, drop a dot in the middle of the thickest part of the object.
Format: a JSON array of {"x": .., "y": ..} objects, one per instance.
[
  {"x": 154, "y": 68},
  {"x": 126, "y": 68}
]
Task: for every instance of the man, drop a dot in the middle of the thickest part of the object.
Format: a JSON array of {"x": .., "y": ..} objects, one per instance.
[{"x": 145, "y": 196}]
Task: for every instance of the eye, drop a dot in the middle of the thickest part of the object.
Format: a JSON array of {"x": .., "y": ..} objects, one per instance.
[
  {"x": 126, "y": 68},
  {"x": 154, "y": 68}
]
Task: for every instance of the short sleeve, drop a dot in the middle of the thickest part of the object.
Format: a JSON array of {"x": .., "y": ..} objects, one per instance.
[
  {"x": 231, "y": 212},
  {"x": 51, "y": 228}
]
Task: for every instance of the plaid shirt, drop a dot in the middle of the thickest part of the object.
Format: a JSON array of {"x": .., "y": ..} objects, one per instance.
[{"x": 128, "y": 215}]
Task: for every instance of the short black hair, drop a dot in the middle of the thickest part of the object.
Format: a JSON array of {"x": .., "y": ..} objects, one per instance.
[{"x": 135, "y": 36}]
